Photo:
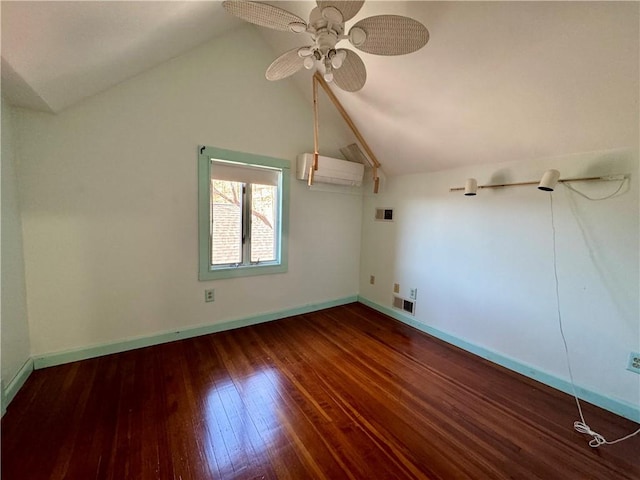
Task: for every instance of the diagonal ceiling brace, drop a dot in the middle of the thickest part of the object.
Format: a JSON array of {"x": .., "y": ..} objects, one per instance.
[{"x": 317, "y": 79}]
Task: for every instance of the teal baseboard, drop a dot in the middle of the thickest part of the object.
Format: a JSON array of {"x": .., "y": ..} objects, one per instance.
[
  {"x": 16, "y": 384},
  {"x": 619, "y": 407},
  {"x": 68, "y": 356}
]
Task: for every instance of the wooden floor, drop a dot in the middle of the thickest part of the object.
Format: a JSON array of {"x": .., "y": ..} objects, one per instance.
[{"x": 345, "y": 393}]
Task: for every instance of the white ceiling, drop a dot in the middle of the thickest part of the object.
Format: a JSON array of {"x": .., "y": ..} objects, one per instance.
[
  {"x": 498, "y": 81},
  {"x": 66, "y": 51}
]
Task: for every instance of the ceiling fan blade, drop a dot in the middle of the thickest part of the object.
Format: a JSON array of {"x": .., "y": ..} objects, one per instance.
[
  {"x": 389, "y": 35},
  {"x": 265, "y": 15},
  {"x": 352, "y": 75},
  {"x": 285, "y": 65},
  {"x": 349, "y": 9}
]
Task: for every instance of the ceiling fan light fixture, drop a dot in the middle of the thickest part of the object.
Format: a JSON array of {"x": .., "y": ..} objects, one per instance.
[
  {"x": 337, "y": 59},
  {"x": 357, "y": 36},
  {"x": 328, "y": 71},
  {"x": 309, "y": 62}
]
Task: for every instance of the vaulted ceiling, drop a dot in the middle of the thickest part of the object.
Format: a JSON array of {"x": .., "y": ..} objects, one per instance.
[{"x": 498, "y": 81}]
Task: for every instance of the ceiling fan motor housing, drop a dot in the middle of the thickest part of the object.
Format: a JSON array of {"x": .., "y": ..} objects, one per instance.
[{"x": 326, "y": 40}]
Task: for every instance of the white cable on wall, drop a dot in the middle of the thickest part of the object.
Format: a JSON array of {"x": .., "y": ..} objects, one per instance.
[
  {"x": 567, "y": 184},
  {"x": 580, "y": 426}
]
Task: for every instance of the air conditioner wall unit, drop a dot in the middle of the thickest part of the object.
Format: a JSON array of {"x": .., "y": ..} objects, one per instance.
[{"x": 330, "y": 170}]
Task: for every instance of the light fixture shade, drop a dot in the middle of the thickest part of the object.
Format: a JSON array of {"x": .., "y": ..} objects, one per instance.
[
  {"x": 309, "y": 62},
  {"x": 549, "y": 180},
  {"x": 470, "y": 187},
  {"x": 338, "y": 59}
]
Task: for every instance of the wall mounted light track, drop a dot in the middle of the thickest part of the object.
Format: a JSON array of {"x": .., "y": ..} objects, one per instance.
[{"x": 548, "y": 182}]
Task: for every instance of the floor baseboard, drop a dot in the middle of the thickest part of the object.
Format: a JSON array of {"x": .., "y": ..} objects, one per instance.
[{"x": 619, "y": 407}]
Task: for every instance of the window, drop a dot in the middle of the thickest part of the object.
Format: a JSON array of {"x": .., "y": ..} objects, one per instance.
[{"x": 243, "y": 214}]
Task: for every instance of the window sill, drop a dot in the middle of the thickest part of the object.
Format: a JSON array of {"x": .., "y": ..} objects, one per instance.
[{"x": 243, "y": 271}]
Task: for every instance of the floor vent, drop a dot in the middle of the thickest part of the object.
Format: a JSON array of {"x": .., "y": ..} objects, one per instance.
[{"x": 404, "y": 304}]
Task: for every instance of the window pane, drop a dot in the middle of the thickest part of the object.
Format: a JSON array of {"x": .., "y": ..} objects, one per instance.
[
  {"x": 264, "y": 200},
  {"x": 226, "y": 222}
]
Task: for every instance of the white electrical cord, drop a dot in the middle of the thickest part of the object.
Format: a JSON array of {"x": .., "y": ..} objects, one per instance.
[
  {"x": 580, "y": 426},
  {"x": 573, "y": 189}
]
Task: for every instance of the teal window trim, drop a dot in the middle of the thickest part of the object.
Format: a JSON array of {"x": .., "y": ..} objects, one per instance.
[{"x": 205, "y": 270}]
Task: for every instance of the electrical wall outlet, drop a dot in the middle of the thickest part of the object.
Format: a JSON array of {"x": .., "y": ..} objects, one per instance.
[
  {"x": 209, "y": 295},
  {"x": 396, "y": 288},
  {"x": 413, "y": 293},
  {"x": 634, "y": 362},
  {"x": 372, "y": 279}
]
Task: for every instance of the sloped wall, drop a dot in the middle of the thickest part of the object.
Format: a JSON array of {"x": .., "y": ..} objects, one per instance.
[
  {"x": 484, "y": 266},
  {"x": 109, "y": 202}
]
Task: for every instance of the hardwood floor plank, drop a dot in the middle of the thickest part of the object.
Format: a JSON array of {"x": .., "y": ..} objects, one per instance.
[
  {"x": 320, "y": 418},
  {"x": 342, "y": 393}
]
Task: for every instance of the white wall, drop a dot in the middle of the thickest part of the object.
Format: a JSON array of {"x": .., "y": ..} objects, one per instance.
[
  {"x": 108, "y": 196},
  {"x": 109, "y": 202},
  {"x": 483, "y": 265},
  {"x": 13, "y": 304}
]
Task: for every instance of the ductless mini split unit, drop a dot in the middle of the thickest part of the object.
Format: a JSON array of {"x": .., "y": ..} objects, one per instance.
[{"x": 330, "y": 170}]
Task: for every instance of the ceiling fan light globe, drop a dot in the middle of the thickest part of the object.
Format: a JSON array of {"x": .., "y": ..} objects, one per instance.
[
  {"x": 338, "y": 59},
  {"x": 309, "y": 62},
  {"x": 357, "y": 36},
  {"x": 328, "y": 77}
]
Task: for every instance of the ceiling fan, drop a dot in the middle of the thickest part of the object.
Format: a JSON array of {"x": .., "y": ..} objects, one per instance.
[{"x": 379, "y": 35}]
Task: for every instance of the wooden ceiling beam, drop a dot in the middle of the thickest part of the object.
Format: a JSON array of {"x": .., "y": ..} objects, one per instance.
[{"x": 317, "y": 79}]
